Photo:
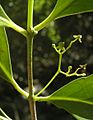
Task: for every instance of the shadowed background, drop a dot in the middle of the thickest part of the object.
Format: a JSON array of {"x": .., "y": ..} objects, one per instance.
[{"x": 45, "y": 58}]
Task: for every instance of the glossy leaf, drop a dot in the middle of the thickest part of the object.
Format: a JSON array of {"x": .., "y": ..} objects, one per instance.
[
  {"x": 76, "y": 97},
  {"x": 5, "y": 62},
  {"x": 70, "y": 7},
  {"x": 66, "y": 8}
]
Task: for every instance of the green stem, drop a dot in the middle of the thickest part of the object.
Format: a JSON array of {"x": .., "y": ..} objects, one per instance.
[
  {"x": 18, "y": 29},
  {"x": 30, "y": 14},
  {"x": 32, "y": 104},
  {"x": 47, "y": 84},
  {"x": 55, "y": 75},
  {"x": 19, "y": 89},
  {"x": 43, "y": 24},
  {"x": 13, "y": 82},
  {"x": 3, "y": 118},
  {"x": 69, "y": 46},
  {"x": 30, "y": 38},
  {"x": 60, "y": 61}
]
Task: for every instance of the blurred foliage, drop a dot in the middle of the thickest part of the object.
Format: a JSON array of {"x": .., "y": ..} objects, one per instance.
[{"x": 45, "y": 58}]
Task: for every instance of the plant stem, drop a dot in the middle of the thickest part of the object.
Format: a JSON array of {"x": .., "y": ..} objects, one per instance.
[
  {"x": 18, "y": 29},
  {"x": 43, "y": 24},
  {"x": 32, "y": 104},
  {"x": 19, "y": 89},
  {"x": 13, "y": 82},
  {"x": 48, "y": 84},
  {"x": 55, "y": 75},
  {"x": 3, "y": 118},
  {"x": 30, "y": 38},
  {"x": 30, "y": 14},
  {"x": 60, "y": 61}
]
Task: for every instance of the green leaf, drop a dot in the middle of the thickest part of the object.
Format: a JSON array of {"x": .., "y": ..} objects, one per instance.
[
  {"x": 4, "y": 19},
  {"x": 79, "y": 118},
  {"x": 76, "y": 97},
  {"x": 66, "y": 8},
  {"x": 5, "y": 62}
]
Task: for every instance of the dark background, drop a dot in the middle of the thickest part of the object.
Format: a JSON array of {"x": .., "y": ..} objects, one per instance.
[{"x": 45, "y": 58}]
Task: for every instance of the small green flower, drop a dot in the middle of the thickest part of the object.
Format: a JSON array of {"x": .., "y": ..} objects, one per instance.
[
  {"x": 83, "y": 66},
  {"x": 79, "y": 37}
]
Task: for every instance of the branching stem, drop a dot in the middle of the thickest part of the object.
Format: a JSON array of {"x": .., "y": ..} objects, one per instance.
[
  {"x": 56, "y": 74},
  {"x": 61, "y": 50},
  {"x": 30, "y": 38}
]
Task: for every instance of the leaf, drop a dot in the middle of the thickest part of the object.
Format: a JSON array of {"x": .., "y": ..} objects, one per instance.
[
  {"x": 5, "y": 62},
  {"x": 66, "y": 8},
  {"x": 76, "y": 97},
  {"x": 79, "y": 118},
  {"x": 76, "y": 7},
  {"x": 4, "y": 19}
]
